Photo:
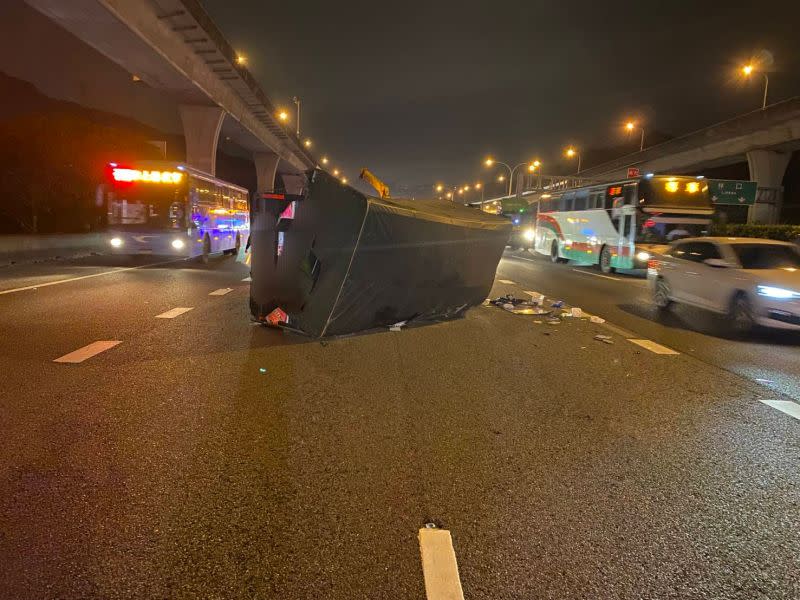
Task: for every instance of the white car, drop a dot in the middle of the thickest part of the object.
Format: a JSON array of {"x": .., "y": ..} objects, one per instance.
[{"x": 752, "y": 281}]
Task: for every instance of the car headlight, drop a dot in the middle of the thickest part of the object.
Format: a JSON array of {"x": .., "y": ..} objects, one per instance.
[
  {"x": 529, "y": 234},
  {"x": 115, "y": 242},
  {"x": 178, "y": 244},
  {"x": 776, "y": 292},
  {"x": 643, "y": 256}
]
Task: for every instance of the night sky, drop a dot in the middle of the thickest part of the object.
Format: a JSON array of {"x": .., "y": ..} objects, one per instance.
[{"x": 422, "y": 91}]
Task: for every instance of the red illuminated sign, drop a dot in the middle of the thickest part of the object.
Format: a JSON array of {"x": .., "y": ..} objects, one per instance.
[{"x": 615, "y": 191}]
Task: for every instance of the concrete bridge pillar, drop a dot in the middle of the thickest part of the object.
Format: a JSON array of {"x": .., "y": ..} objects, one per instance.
[
  {"x": 767, "y": 167},
  {"x": 266, "y": 167},
  {"x": 201, "y": 125}
]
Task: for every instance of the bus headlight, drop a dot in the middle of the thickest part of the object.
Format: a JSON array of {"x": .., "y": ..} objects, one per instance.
[
  {"x": 115, "y": 242},
  {"x": 643, "y": 256},
  {"x": 529, "y": 234},
  {"x": 178, "y": 244}
]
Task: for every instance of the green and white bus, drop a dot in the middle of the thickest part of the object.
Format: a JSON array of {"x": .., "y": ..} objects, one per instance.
[{"x": 620, "y": 225}]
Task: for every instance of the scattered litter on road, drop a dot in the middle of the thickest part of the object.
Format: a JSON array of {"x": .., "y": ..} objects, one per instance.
[
  {"x": 538, "y": 322},
  {"x": 596, "y": 319},
  {"x": 606, "y": 339},
  {"x": 576, "y": 312},
  {"x": 553, "y": 321},
  {"x": 759, "y": 380},
  {"x": 557, "y": 304},
  {"x": 262, "y": 370},
  {"x": 398, "y": 326},
  {"x": 518, "y": 306}
]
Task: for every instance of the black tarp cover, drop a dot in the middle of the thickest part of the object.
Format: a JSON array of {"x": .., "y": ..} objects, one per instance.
[{"x": 348, "y": 262}]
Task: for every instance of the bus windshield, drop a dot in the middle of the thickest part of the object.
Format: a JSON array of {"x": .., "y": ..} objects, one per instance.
[{"x": 148, "y": 206}]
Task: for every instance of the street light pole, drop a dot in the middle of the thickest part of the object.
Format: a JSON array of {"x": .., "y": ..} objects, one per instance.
[
  {"x": 766, "y": 87},
  {"x": 296, "y": 100}
]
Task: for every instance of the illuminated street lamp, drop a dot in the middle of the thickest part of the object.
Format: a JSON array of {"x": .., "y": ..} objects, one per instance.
[
  {"x": 241, "y": 60},
  {"x": 630, "y": 126},
  {"x": 439, "y": 188},
  {"x": 307, "y": 143},
  {"x": 336, "y": 172},
  {"x": 344, "y": 180},
  {"x": 490, "y": 161},
  {"x": 324, "y": 160},
  {"x": 748, "y": 70},
  {"x": 572, "y": 153},
  {"x": 283, "y": 115}
]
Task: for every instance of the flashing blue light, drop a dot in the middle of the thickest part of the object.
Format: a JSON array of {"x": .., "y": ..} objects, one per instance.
[
  {"x": 701, "y": 176},
  {"x": 516, "y": 221},
  {"x": 649, "y": 175}
]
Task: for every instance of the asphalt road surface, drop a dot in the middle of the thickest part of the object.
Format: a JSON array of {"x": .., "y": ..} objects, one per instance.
[
  {"x": 768, "y": 357},
  {"x": 150, "y": 451}
]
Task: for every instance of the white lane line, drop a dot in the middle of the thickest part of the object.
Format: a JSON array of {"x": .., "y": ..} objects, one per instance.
[
  {"x": 81, "y": 354},
  {"x": 506, "y": 281},
  {"x": 785, "y": 406},
  {"x": 247, "y": 279},
  {"x": 596, "y": 274},
  {"x": 521, "y": 258},
  {"x": 221, "y": 292},
  {"x": 60, "y": 281},
  {"x": 175, "y": 312},
  {"x": 439, "y": 566},
  {"x": 653, "y": 347}
]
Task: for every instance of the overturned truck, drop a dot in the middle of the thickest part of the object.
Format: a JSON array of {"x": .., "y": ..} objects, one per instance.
[{"x": 330, "y": 260}]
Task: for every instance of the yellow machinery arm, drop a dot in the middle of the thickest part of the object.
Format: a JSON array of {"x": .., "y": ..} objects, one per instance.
[{"x": 380, "y": 187}]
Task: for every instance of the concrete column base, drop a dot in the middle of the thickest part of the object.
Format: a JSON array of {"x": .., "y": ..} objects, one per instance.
[
  {"x": 266, "y": 166},
  {"x": 767, "y": 167},
  {"x": 201, "y": 125}
]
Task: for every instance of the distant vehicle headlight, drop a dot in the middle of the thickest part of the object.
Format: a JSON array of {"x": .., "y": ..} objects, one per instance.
[
  {"x": 529, "y": 234},
  {"x": 178, "y": 244},
  {"x": 776, "y": 292},
  {"x": 116, "y": 242},
  {"x": 643, "y": 256}
]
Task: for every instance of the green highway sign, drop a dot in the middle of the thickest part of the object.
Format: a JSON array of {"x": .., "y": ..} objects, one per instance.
[{"x": 728, "y": 191}]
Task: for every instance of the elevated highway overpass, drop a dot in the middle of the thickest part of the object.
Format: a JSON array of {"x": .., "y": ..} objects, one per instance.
[
  {"x": 764, "y": 138},
  {"x": 174, "y": 46}
]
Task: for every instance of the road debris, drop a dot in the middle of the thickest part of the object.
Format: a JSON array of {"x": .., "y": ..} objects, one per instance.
[
  {"x": 596, "y": 319},
  {"x": 576, "y": 312},
  {"x": 557, "y": 304},
  {"x": 398, "y": 326},
  {"x": 518, "y": 306},
  {"x": 606, "y": 339}
]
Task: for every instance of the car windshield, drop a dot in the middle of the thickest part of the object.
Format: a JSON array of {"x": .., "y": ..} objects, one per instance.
[{"x": 767, "y": 256}]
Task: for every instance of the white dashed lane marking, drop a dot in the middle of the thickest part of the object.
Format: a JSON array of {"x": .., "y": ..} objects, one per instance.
[
  {"x": 81, "y": 354},
  {"x": 221, "y": 292},
  {"x": 506, "y": 281},
  {"x": 175, "y": 312},
  {"x": 785, "y": 406},
  {"x": 439, "y": 566},
  {"x": 653, "y": 347},
  {"x": 597, "y": 275}
]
